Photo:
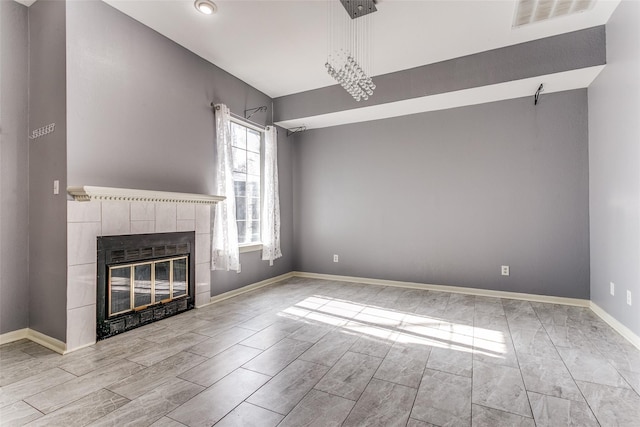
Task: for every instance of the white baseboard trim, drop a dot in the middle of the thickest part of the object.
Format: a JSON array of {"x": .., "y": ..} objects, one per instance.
[
  {"x": 248, "y": 288},
  {"x": 35, "y": 336},
  {"x": 445, "y": 288},
  {"x": 619, "y": 327},
  {"x": 12, "y": 336}
]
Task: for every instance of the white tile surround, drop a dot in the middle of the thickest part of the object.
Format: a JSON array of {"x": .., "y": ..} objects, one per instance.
[{"x": 88, "y": 220}]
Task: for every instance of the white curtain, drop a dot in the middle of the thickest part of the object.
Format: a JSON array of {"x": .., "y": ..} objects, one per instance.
[
  {"x": 270, "y": 218},
  {"x": 224, "y": 242}
]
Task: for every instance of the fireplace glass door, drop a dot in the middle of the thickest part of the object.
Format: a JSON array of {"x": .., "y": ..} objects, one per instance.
[{"x": 139, "y": 285}]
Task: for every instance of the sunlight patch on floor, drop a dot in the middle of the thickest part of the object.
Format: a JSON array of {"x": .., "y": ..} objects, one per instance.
[{"x": 396, "y": 326}]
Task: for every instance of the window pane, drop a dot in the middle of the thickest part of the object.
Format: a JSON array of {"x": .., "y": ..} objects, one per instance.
[
  {"x": 242, "y": 232},
  {"x": 179, "y": 277},
  {"x": 253, "y": 186},
  {"x": 238, "y": 135},
  {"x": 239, "y": 183},
  {"x": 142, "y": 285},
  {"x": 239, "y": 160},
  {"x": 253, "y": 208},
  {"x": 254, "y": 231},
  {"x": 241, "y": 208},
  {"x": 253, "y": 140},
  {"x": 120, "y": 289},
  {"x": 162, "y": 282},
  {"x": 253, "y": 160}
]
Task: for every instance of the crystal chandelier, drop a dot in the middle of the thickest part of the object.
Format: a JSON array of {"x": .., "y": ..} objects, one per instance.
[{"x": 349, "y": 46}]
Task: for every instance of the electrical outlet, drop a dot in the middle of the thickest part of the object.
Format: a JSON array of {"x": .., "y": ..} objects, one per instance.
[
  {"x": 335, "y": 258},
  {"x": 629, "y": 297},
  {"x": 505, "y": 270},
  {"x": 612, "y": 288}
]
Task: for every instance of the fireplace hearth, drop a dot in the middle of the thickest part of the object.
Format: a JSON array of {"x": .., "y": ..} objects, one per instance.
[{"x": 143, "y": 278}]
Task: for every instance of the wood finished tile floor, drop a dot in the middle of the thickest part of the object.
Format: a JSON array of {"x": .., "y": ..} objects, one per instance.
[{"x": 316, "y": 352}]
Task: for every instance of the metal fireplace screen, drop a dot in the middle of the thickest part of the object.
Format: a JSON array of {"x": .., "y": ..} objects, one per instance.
[
  {"x": 137, "y": 286},
  {"x": 143, "y": 278}
]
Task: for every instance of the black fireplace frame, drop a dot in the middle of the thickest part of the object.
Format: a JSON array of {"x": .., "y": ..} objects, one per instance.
[{"x": 125, "y": 249}]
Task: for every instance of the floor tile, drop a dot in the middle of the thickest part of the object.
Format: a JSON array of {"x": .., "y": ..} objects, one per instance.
[
  {"x": 14, "y": 372},
  {"x": 329, "y": 348},
  {"x": 83, "y": 411},
  {"x": 587, "y": 366},
  {"x": 417, "y": 423},
  {"x": 151, "y": 406},
  {"x": 276, "y": 358},
  {"x": 18, "y": 414},
  {"x": 220, "y": 365},
  {"x": 373, "y": 341},
  {"x": 443, "y": 399},
  {"x": 148, "y": 379},
  {"x": 404, "y": 364},
  {"x": 56, "y": 397},
  {"x": 265, "y": 338},
  {"x": 549, "y": 377},
  {"x": 215, "y": 402},
  {"x": 282, "y": 393},
  {"x": 33, "y": 385},
  {"x": 495, "y": 352},
  {"x": 488, "y": 305},
  {"x": 549, "y": 411},
  {"x": 167, "y": 422},
  {"x": 456, "y": 362},
  {"x": 633, "y": 379},
  {"x": 535, "y": 342},
  {"x": 350, "y": 375},
  {"x": 568, "y": 337},
  {"x": 212, "y": 346},
  {"x": 310, "y": 333},
  {"x": 499, "y": 387},
  {"x": 157, "y": 352},
  {"x": 489, "y": 417},
  {"x": 248, "y": 415},
  {"x": 612, "y": 405},
  {"x": 101, "y": 355},
  {"x": 383, "y": 404},
  {"x": 319, "y": 409}
]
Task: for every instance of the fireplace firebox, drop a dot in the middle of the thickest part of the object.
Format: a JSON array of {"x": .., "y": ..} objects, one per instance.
[{"x": 143, "y": 278}]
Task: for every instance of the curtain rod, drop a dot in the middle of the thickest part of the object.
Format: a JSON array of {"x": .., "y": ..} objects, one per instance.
[{"x": 239, "y": 117}]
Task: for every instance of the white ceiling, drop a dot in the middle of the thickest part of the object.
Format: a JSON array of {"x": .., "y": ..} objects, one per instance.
[{"x": 279, "y": 47}]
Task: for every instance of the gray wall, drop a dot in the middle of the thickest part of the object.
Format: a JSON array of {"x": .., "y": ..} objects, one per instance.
[
  {"x": 47, "y": 162},
  {"x": 448, "y": 197},
  {"x": 614, "y": 164},
  {"x": 14, "y": 167},
  {"x": 140, "y": 117},
  {"x": 570, "y": 51}
]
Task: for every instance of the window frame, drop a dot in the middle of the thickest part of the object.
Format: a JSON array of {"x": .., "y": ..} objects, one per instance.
[{"x": 253, "y": 246}]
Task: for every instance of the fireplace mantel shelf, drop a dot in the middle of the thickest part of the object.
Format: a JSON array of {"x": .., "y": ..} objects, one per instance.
[{"x": 88, "y": 193}]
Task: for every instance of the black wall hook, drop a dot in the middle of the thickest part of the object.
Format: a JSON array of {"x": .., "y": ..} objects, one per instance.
[{"x": 537, "y": 95}]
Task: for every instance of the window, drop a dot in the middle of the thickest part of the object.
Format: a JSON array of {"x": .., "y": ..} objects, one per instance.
[{"x": 246, "y": 144}]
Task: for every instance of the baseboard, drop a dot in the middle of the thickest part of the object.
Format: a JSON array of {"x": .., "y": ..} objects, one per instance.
[
  {"x": 35, "y": 336},
  {"x": 248, "y": 288},
  {"x": 619, "y": 327},
  {"x": 445, "y": 288},
  {"x": 12, "y": 336}
]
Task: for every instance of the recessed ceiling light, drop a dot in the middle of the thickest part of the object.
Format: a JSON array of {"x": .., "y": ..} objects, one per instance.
[{"x": 205, "y": 6}]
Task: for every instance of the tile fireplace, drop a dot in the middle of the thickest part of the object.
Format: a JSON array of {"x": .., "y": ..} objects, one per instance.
[{"x": 89, "y": 220}]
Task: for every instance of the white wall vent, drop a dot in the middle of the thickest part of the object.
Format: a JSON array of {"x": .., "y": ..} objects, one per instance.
[{"x": 531, "y": 11}]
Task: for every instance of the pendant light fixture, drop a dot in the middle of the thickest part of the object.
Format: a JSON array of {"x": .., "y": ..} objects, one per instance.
[{"x": 349, "y": 57}]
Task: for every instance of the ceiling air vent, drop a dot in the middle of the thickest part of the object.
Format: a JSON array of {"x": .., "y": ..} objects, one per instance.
[{"x": 531, "y": 11}]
